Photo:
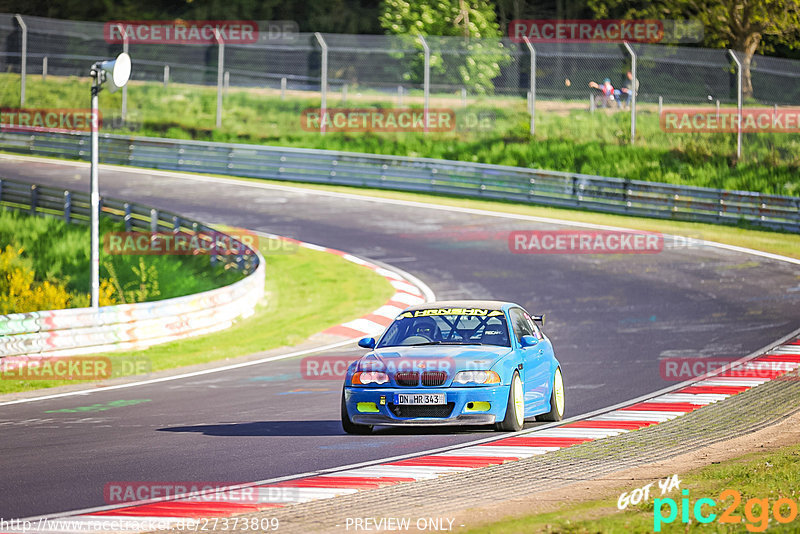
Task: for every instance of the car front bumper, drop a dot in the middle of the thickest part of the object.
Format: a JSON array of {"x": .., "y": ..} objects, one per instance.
[{"x": 376, "y": 406}]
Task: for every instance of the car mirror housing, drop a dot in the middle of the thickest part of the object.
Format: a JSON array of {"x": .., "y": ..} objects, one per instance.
[
  {"x": 528, "y": 341},
  {"x": 367, "y": 342}
]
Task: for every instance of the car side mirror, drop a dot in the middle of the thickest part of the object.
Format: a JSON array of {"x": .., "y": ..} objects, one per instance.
[
  {"x": 528, "y": 341},
  {"x": 367, "y": 342}
]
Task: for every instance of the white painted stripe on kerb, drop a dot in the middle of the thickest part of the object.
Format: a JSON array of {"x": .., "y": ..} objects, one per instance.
[
  {"x": 390, "y": 312},
  {"x": 655, "y": 417},
  {"x": 283, "y": 494},
  {"x": 386, "y": 273},
  {"x": 731, "y": 381},
  {"x": 404, "y": 286},
  {"x": 402, "y": 471},
  {"x": 586, "y": 433},
  {"x": 365, "y": 325},
  {"x": 500, "y": 451},
  {"x": 698, "y": 398},
  {"x": 407, "y": 298},
  {"x": 354, "y": 259},
  {"x": 314, "y": 247},
  {"x": 785, "y": 349}
]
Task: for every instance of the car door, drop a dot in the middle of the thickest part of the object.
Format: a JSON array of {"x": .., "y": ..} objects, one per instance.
[{"x": 535, "y": 368}]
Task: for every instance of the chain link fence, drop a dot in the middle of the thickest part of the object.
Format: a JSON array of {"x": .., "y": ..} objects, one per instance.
[{"x": 482, "y": 81}]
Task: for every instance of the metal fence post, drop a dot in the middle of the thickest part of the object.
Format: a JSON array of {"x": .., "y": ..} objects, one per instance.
[
  {"x": 34, "y": 198},
  {"x": 323, "y": 82},
  {"x": 426, "y": 81},
  {"x": 738, "y": 103},
  {"x": 532, "y": 100},
  {"x": 23, "y": 65},
  {"x": 166, "y": 75},
  {"x": 124, "y": 87},
  {"x": 220, "y": 68},
  {"x": 67, "y": 206},
  {"x": 283, "y": 88},
  {"x": 634, "y": 90},
  {"x": 44, "y": 69}
]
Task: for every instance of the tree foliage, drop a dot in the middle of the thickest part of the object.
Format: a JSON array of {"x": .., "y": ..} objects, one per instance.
[
  {"x": 747, "y": 26},
  {"x": 450, "y": 27}
]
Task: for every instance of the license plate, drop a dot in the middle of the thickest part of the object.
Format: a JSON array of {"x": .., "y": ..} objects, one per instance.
[{"x": 421, "y": 398}]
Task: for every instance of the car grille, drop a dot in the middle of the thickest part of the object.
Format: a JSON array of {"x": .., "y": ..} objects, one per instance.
[
  {"x": 433, "y": 378},
  {"x": 407, "y": 378},
  {"x": 429, "y": 410}
]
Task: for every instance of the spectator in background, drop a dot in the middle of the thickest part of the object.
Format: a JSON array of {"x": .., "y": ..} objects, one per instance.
[
  {"x": 628, "y": 90},
  {"x": 606, "y": 92}
]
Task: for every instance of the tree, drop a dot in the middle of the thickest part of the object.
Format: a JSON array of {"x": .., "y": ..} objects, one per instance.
[
  {"x": 747, "y": 26},
  {"x": 466, "y": 62}
]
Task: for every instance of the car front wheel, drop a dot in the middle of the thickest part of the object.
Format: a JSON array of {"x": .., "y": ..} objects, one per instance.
[
  {"x": 556, "y": 412},
  {"x": 515, "y": 410},
  {"x": 349, "y": 426}
]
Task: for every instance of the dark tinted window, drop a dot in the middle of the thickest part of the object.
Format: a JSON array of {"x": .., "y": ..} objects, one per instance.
[{"x": 521, "y": 324}]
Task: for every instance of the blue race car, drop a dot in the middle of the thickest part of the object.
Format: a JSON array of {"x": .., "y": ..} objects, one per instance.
[{"x": 455, "y": 363}]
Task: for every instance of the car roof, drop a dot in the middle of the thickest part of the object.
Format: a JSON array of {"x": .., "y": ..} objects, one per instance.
[{"x": 484, "y": 304}]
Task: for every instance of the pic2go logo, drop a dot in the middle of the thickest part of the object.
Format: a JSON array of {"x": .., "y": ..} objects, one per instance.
[{"x": 756, "y": 511}]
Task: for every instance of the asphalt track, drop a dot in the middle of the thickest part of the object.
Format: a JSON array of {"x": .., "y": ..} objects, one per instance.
[{"x": 611, "y": 318}]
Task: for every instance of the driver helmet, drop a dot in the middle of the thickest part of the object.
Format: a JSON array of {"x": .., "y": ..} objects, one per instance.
[{"x": 426, "y": 327}]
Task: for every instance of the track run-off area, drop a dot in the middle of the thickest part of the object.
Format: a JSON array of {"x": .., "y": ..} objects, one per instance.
[{"x": 613, "y": 318}]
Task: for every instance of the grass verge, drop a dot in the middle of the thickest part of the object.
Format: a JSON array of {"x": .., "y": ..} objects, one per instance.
[
  {"x": 491, "y": 129},
  {"x": 307, "y": 291},
  {"x": 754, "y": 476},
  {"x": 59, "y": 253}
]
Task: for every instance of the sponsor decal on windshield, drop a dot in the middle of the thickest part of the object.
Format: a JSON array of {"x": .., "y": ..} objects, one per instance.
[{"x": 451, "y": 311}]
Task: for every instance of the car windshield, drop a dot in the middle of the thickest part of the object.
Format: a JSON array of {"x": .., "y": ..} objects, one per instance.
[{"x": 447, "y": 326}]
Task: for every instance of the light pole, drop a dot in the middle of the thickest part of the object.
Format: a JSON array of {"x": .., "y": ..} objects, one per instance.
[{"x": 118, "y": 72}]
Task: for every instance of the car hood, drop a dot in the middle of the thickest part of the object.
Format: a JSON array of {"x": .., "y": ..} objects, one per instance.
[{"x": 451, "y": 358}]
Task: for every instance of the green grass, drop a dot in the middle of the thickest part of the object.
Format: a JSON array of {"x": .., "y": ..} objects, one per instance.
[
  {"x": 568, "y": 137},
  {"x": 307, "y": 291},
  {"x": 769, "y": 476},
  {"x": 59, "y": 252}
]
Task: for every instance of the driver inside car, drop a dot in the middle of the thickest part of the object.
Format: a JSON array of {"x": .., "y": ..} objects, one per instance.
[{"x": 426, "y": 327}]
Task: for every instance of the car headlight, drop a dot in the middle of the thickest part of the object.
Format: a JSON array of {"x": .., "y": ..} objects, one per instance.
[
  {"x": 476, "y": 377},
  {"x": 365, "y": 378}
]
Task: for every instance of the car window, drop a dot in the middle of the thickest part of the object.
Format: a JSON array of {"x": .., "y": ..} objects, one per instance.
[
  {"x": 447, "y": 326},
  {"x": 535, "y": 327},
  {"x": 520, "y": 324}
]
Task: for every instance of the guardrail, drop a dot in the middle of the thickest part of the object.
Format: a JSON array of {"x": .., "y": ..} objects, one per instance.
[
  {"x": 127, "y": 326},
  {"x": 476, "y": 180}
]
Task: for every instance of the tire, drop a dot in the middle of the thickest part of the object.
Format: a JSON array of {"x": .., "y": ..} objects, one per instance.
[
  {"x": 350, "y": 427},
  {"x": 557, "y": 400},
  {"x": 515, "y": 409}
]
